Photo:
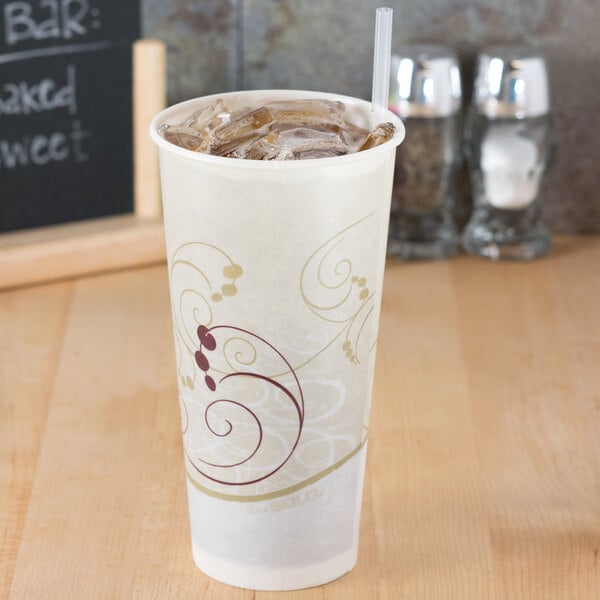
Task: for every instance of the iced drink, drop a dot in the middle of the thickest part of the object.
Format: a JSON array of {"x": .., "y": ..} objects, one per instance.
[
  {"x": 275, "y": 268},
  {"x": 278, "y": 130}
]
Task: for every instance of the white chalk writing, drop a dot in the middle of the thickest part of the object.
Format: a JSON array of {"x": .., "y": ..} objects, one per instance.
[
  {"x": 42, "y": 149},
  {"x": 23, "y": 98},
  {"x": 47, "y": 19},
  {"x": 54, "y": 51}
]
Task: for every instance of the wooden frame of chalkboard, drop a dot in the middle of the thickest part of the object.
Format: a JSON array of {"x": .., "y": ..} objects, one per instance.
[{"x": 106, "y": 243}]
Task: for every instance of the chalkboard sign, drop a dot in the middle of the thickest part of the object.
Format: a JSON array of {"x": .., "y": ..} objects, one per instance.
[{"x": 65, "y": 110}]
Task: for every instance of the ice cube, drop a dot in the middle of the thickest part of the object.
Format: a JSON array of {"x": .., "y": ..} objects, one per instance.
[
  {"x": 236, "y": 148},
  {"x": 300, "y": 135},
  {"x": 209, "y": 117},
  {"x": 268, "y": 147},
  {"x": 381, "y": 134},
  {"x": 308, "y": 112},
  {"x": 300, "y": 140},
  {"x": 317, "y": 153},
  {"x": 244, "y": 123},
  {"x": 186, "y": 137}
]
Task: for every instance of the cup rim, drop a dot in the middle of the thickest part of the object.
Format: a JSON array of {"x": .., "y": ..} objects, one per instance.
[{"x": 329, "y": 161}]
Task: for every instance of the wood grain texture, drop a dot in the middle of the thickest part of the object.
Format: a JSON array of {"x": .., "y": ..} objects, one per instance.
[
  {"x": 483, "y": 472},
  {"x": 61, "y": 251},
  {"x": 149, "y": 98},
  {"x": 31, "y": 334}
]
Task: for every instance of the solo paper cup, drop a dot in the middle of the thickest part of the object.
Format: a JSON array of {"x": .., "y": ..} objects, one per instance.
[{"x": 275, "y": 272}]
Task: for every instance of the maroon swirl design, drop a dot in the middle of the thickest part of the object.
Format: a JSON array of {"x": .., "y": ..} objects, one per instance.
[{"x": 208, "y": 343}]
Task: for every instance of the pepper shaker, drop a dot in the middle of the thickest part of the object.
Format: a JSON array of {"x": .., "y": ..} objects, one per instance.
[
  {"x": 425, "y": 92},
  {"x": 508, "y": 145}
]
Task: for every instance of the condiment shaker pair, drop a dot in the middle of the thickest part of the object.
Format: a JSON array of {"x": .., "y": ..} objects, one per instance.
[{"x": 507, "y": 142}]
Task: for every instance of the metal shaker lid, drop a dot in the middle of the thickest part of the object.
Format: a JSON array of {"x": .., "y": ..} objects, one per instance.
[
  {"x": 511, "y": 82},
  {"x": 425, "y": 81}
]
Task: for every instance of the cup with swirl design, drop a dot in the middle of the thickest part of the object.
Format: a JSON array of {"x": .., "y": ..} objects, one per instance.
[{"x": 275, "y": 272}]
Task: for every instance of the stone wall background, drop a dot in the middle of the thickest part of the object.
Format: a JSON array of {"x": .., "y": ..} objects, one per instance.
[{"x": 221, "y": 45}]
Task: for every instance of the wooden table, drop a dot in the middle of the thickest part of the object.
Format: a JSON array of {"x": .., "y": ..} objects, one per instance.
[{"x": 483, "y": 477}]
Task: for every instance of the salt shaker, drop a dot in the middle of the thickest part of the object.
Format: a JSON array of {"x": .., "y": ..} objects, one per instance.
[
  {"x": 425, "y": 91},
  {"x": 508, "y": 146}
]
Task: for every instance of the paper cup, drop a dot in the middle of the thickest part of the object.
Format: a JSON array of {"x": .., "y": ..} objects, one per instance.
[{"x": 275, "y": 272}]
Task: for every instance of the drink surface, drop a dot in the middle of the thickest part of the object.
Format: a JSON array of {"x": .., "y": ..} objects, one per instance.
[{"x": 279, "y": 130}]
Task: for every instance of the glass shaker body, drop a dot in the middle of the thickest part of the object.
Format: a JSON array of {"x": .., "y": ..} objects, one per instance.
[
  {"x": 425, "y": 92},
  {"x": 421, "y": 223},
  {"x": 507, "y": 159},
  {"x": 508, "y": 145}
]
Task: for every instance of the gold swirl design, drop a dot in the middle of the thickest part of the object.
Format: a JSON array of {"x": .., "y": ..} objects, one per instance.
[
  {"x": 237, "y": 354},
  {"x": 347, "y": 300},
  {"x": 202, "y": 276},
  {"x": 194, "y": 293},
  {"x": 279, "y": 493},
  {"x": 335, "y": 294}
]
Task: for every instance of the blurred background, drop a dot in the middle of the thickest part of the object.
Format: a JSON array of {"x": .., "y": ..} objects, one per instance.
[{"x": 221, "y": 45}]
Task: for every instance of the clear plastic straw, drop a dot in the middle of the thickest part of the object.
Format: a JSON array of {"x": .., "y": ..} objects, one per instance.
[{"x": 381, "y": 62}]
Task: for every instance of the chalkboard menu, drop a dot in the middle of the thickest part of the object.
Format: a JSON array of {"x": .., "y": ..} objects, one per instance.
[{"x": 65, "y": 110}]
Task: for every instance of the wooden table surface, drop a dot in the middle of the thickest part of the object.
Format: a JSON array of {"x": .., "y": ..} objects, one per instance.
[{"x": 483, "y": 476}]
